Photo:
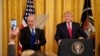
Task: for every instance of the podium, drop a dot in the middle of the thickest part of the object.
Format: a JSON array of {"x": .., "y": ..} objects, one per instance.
[{"x": 76, "y": 47}]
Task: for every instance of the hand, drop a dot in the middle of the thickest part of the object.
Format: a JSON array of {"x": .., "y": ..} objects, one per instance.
[
  {"x": 81, "y": 37},
  {"x": 13, "y": 34},
  {"x": 37, "y": 42},
  {"x": 92, "y": 35},
  {"x": 59, "y": 41}
]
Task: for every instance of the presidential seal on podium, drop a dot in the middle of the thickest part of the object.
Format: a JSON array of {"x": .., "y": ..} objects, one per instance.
[{"x": 77, "y": 47}]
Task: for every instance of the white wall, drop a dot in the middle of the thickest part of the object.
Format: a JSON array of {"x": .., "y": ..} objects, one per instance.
[{"x": 0, "y": 27}]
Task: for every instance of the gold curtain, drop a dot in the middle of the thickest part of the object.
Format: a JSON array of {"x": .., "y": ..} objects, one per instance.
[
  {"x": 54, "y": 8},
  {"x": 97, "y": 25}
]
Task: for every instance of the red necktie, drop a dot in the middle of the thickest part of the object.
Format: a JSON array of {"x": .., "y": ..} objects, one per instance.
[{"x": 70, "y": 30}]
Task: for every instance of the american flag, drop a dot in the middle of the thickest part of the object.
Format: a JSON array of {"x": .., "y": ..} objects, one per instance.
[{"x": 29, "y": 11}]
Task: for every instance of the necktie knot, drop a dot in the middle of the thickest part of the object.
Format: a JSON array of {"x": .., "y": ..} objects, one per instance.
[{"x": 68, "y": 24}]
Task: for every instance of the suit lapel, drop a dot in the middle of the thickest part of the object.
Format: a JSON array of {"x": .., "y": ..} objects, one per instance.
[
  {"x": 36, "y": 33},
  {"x": 28, "y": 32},
  {"x": 73, "y": 29},
  {"x": 28, "y": 35}
]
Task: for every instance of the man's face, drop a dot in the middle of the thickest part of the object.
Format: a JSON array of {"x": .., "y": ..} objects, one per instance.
[
  {"x": 30, "y": 21},
  {"x": 68, "y": 17}
]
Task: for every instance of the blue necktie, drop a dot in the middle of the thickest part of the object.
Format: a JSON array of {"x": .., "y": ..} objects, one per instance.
[{"x": 32, "y": 42}]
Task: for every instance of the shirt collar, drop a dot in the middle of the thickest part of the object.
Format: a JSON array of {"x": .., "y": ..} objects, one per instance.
[{"x": 69, "y": 23}]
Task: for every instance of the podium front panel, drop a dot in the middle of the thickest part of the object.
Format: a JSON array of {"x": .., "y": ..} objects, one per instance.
[{"x": 66, "y": 47}]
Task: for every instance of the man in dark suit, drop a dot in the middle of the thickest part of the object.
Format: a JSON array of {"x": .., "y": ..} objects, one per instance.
[
  {"x": 31, "y": 37},
  {"x": 69, "y": 29},
  {"x": 11, "y": 44}
]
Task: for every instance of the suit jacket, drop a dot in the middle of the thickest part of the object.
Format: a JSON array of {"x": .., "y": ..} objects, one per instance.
[
  {"x": 25, "y": 35},
  {"x": 11, "y": 50},
  {"x": 62, "y": 31}
]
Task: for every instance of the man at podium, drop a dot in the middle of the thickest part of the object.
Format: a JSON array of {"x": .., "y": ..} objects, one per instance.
[{"x": 69, "y": 29}]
